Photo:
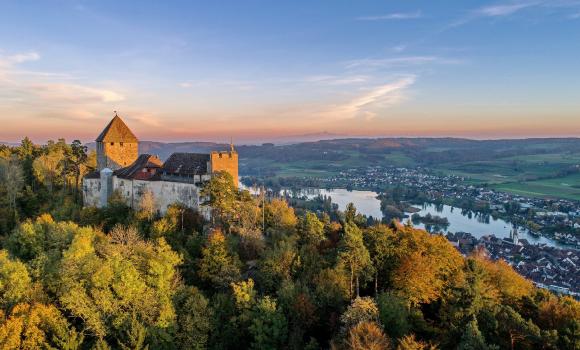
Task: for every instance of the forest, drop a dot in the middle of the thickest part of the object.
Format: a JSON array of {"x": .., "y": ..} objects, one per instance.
[{"x": 261, "y": 274}]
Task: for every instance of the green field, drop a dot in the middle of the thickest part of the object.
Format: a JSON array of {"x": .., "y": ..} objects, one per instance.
[
  {"x": 531, "y": 167},
  {"x": 512, "y": 169},
  {"x": 564, "y": 187}
]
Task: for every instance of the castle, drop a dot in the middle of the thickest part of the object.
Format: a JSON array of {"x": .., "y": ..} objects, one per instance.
[{"x": 121, "y": 169}]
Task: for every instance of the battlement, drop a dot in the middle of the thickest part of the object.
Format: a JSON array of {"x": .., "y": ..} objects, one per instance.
[
  {"x": 224, "y": 154},
  {"x": 225, "y": 161}
]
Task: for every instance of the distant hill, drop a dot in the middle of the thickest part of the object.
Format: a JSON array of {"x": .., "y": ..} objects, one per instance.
[
  {"x": 536, "y": 166},
  {"x": 164, "y": 150},
  {"x": 516, "y": 158}
]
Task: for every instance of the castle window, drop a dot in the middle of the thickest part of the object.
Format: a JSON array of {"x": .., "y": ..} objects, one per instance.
[
  {"x": 112, "y": 143},
  {"x": 121, "y": 143}
]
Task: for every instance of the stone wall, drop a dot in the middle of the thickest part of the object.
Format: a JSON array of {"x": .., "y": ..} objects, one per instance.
[
  {"x": 91, "y": 192},
  {"x": 225, "y": 161},
  {"x": 165, "y": 193},
  {"x": 116, "y": 155}
]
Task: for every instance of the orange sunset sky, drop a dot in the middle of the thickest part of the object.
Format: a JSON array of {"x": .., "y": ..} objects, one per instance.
[{"x": 266, "y": 72}]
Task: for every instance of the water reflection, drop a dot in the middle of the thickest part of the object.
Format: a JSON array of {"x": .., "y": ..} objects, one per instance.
[
  {"x": 477, "y": 224},
  {"x": 460, "y": 220}
]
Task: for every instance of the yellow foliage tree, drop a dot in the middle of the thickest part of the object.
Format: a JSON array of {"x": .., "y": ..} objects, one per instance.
[
  {"x": 409, "y": 342},
  {"x": 14, "y": 281},
  {"x": 428, "y": 265},
  {"x": 367, "y": 336},
  {"x": 38, "y": 326},
  {"x": 510, "y": 285}
]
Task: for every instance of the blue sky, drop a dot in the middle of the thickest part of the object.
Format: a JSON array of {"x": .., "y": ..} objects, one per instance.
[{"x": 264, "y": 70}]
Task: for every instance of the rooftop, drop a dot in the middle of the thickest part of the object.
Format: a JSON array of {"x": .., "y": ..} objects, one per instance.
[
  {"x": 117, "y": 131},
  {"x": 187, "y": 164}
]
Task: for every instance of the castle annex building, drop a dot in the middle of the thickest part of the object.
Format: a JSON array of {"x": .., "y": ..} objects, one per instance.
[{"x": 120, "y": 168}]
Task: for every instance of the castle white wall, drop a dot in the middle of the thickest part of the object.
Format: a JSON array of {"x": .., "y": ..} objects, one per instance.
[
  {"x": 92, "y": 192},
  {"x": 165, "y": 193}
]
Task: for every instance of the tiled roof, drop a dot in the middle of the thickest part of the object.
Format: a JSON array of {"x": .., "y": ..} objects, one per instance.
[
  {"x": 93, "y": 175},
  {"x": 186, "y": 164},
  {"x": 135, "y": 170},
  {"x": 117, "y": 131}
]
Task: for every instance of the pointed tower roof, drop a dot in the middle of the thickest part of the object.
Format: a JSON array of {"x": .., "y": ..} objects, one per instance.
[{"x": 117, "y": 131}]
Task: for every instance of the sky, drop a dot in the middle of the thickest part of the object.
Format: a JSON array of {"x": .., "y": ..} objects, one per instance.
[{"x": 260, "y": 71}]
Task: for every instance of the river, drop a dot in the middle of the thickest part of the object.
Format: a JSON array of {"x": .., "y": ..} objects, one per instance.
[{"x": 366, "y": 203}]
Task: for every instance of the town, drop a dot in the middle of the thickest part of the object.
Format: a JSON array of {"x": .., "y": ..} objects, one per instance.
[
  {"x": 558, "y": 219},
  {"x": 549, "y": 267},
  {"x": 554, "y": 268}
]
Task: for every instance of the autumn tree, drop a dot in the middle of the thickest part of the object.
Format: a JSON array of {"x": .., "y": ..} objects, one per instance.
[
  {"x": 366, "y": 336},
  {"x": 311, "y": 230},
  {"x": 217, "y": 266},
  {"x": 410, "y": 342},
  {"x": 40, "y": 243},
  {"x": 38, "y": 326},
  {"x": 427, "y": 266},
  {"x": 278, "y": 264},
  {"x": 279, "y": 217},
  {"x": 50, "y": 167},
  {"x": 15, "y": 283},
  {"x": 351, "y": 215},
  {"x": 380, "y": 241},
  {"x": 561, "y": 314},
  {"x": 362, "y": 309},
  {"x": 116, "y": 289},
  {"x": 510, "y": 285},
  {"x": 247, "y": 225},
  {"x": 147, "y": 206},
  {"x": 221, "y": 194},
  {"x": 354, "y": 256}
]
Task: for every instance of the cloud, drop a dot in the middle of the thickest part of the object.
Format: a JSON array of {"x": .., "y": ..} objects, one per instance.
[
  {"x": 499, "y": 10},
  {"x": 504, "y": 10},
  {"x": 392, "y": 16},
  {"x": 12, "y": 60},
  {"x": 224, "y": 84},
  {"x": 337, "y": 80},
  {"x": 513, "y": 7},
  {"x": 399, "y": 48},
  {"x": 399, "y": 61},
  {"x": 146, "y": 118},
  {"x": 574, "y": 16},
  {"x": 50, "y": 95},
  {"x": 369, "y": 103},
  {"x": 74, "y": 93}
]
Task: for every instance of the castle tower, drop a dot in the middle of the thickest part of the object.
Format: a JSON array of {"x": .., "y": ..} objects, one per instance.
[
  {"x": 225, "y": 161},
  {"x": 117, "y": 146}
]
